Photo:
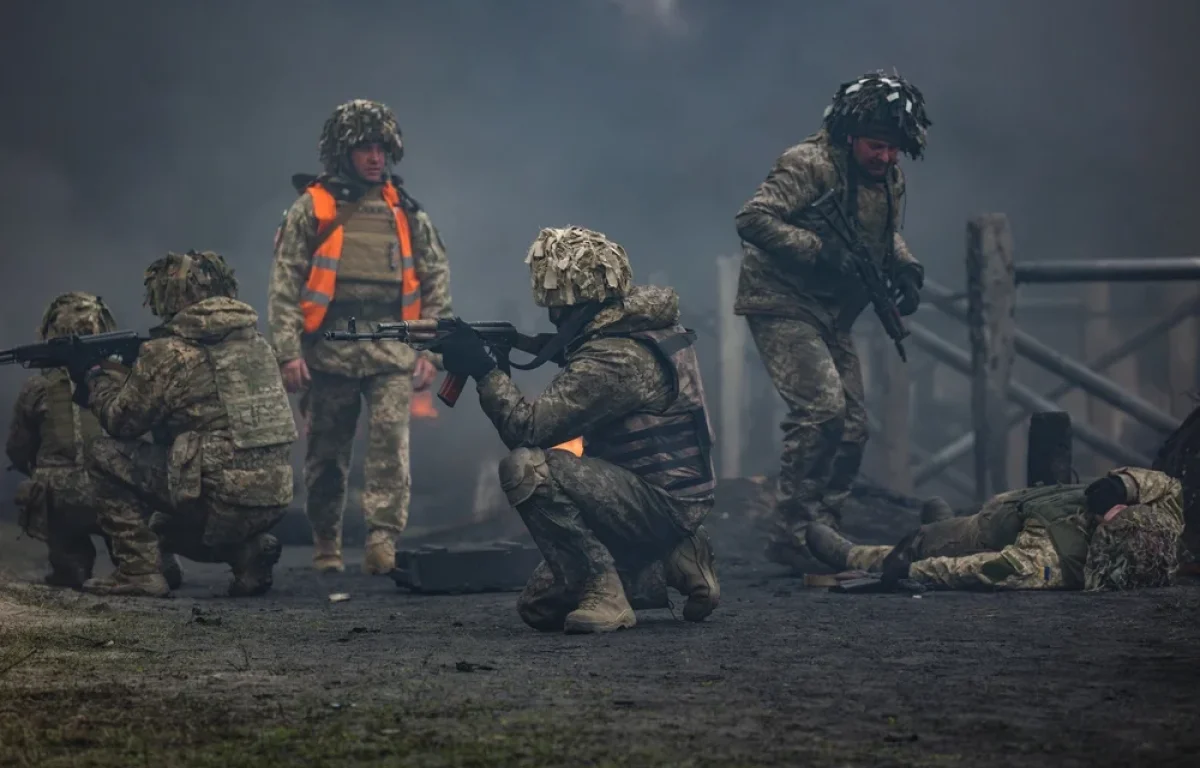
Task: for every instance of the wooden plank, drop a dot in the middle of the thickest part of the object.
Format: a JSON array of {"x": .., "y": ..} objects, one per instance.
[
  {"x": 991, "y": 300},
  {"x": 731, "y": 334},
  {"x": 1049, "y": 449}
]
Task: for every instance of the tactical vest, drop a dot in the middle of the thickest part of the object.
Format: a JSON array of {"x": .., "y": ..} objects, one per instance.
[
  {"x": 251, "y": 391},
  {"x": 671, "y": 449},
  {"x": 374, "y": 245},
  {"x": 67, "y": 428},
  {"x": 1063, "y": 510}
]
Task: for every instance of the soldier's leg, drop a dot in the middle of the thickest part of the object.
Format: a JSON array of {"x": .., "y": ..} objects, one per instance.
[
  {"x": 388, "y": 483},
  {"x": 129, "y": 479},
  {"x": 545, "y": 603},
  {"x": 802, "y": 369},
  {"x": 848, "y": 456},
  {"x": 70, "y": 520},
  {"x": 334, "y": 407}
]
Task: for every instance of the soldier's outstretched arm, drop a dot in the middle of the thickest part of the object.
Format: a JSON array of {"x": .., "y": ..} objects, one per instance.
[
  {"x": 1031, "y": 562},
  {"x": 793, "y": 183},
  {"x": 130, "y": 405},
  {"x": 432, "y": 267},
  {"x": 24, "y": 436},
  {"x": 605, "y": 383},
  {"x": 289, "y": 272}
]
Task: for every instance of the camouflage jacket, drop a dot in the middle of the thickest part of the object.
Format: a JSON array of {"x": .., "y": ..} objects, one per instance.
[
  {"x": 1051, "y": 548},
  {"x": 788, "y": 252},
  {"x": 47, "y": 428},
  {"x": 289, "y": 273},
  {"x": 172, "y": 394}
]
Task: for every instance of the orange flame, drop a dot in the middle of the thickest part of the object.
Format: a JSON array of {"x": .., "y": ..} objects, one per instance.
[
  {"x": 422, "y": 405},
  {"x": 573, "y": 446}
]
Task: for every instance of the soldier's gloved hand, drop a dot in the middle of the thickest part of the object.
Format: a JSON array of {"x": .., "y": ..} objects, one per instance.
[
  {"x": 907, "y": 289},
  {"x": 896, "y": 564},
  {"x": 464, "y": 353}
]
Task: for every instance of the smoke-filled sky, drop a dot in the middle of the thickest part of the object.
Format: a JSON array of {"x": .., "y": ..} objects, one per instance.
[{"x": 133, "y": 128}]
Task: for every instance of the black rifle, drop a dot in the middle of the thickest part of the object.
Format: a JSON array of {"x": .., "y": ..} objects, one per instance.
[
  {"x": 77, "y": 354},
  {"x": 498, "y": 336},
  {"x": 868, "y": 271}
]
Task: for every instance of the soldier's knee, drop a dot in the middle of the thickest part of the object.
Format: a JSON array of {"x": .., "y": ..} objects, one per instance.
[{"x": 522, "y": 472}]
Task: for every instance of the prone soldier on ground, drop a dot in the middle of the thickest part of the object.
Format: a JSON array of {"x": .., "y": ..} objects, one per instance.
[
  {"x": 355, "y": 244},
  {"x": 1122, "y": 531},
  {"x": 801, "y": 287},
  {"x": 49, "y": 440},
  {"x": 630, "y": 386},
  {"x": 216, "y": 475}
]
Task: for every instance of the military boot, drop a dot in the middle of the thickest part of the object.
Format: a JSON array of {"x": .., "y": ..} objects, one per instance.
[
  {"x": 827, "y": 545},
  {"x": 327, "y": 555},
  {"x": 602, "y": 608},
  {"x": 380, "y": 557},
  {"x": 253, "y": 565},
  {"x": 172, "y": 570},
  {"x": 936, "y": 510},
  {"x": 690, "y": 570},
  {"x": 122, "y": 584}
]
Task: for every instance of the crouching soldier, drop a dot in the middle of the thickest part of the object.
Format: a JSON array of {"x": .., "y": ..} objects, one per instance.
[
  {"x": 217, "y": 475},
  {"x": 48, "y": 440},
  {"x": 1120, "y": 532}
]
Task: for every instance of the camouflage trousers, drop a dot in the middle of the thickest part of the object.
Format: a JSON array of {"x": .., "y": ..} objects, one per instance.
[
  {"x": 58, "y": 507},
  {"x": 589, "y": 517},
  {"x": 817, "y": 373},
  {"x": 993, "y": 528},
  {"x": 135, "y": 511},
  {"x": 334, "y": 403}
]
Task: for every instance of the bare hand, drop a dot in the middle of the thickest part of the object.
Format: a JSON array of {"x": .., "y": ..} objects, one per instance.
[
  {"x": 295, "y": 375},
  {"x": 423, "y": 374}
]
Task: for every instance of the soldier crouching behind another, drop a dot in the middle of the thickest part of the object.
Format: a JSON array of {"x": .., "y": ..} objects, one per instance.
[
  {"x": 631, "y": 387},
  {"x": 217, "y": 475},
  {"x": 1122, "y": 531}
]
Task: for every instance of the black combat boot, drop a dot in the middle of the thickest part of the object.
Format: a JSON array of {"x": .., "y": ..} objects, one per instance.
[{"x": 936, "y": 510}]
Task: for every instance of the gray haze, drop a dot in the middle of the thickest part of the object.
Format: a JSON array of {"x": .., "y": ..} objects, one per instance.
[{"x": 133, "y": 128}]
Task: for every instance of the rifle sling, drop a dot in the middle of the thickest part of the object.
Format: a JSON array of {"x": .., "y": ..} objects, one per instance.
[{"x": 566, "y": 334}]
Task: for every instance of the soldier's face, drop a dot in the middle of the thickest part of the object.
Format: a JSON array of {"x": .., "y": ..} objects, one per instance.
[
  {"x": 369, "y": 161},
  {"x": 874, "y": 156}
]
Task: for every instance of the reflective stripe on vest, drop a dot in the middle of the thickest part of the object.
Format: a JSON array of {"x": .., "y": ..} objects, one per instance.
[{"x": 322, "y": 278}]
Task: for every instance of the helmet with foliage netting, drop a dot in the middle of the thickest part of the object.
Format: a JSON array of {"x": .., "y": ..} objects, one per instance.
[
  {"x": 177, "y": 281},
  {"x": 879, "y": 106},
  {"x": 573, "y": 265},
  {"x": 76, "y": 314},
  {"x": 358, "y": 122}
]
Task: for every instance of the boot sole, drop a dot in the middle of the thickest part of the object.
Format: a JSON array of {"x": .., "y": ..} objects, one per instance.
[{"x": 582, "y": 627}]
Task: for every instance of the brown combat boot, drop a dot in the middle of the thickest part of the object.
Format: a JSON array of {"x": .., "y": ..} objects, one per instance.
[
  {"x": 691, "y": 571},
  {"x": 124, "y": 585},
  {"x": 380, "y": 556},
  {"x": 603, "y": 607},
  {"x": 327, "y": 555},
  {"x": 828, "y": 546},
  {"x": 253, "y": 565}
]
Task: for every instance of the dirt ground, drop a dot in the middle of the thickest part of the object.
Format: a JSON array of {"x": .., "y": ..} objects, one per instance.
[{"x": 779, "y": 675}]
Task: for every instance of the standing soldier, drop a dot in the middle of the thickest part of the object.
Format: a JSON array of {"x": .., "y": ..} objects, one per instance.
[
  {"x": 800, "y": 294},
  {"x": 631, "y": 388},
  {"x": 49, "y": 440},
  {"x": 356, "y": 244}
]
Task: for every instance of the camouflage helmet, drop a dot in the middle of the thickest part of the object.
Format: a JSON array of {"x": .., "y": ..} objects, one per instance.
[
  {"x": 1137, "y": 548},
  {"x": 354, "y": 123},
  {"x": 177, "y": 281},
  {"x": 574, "y": 265},
  {"x": 879, "y": 106},
  {"x": 76, "y": 313}
]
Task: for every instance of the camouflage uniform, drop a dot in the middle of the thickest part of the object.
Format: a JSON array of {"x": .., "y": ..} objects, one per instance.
[
  {"x": 368, "y": 288},
  {"x": 216, "y": 475},
  {"x": 1046, "y": 538},
  {"x": 48, "y": 441},
  {"x": 801, "y": 301},
  {"x": 631, "y": 388}
]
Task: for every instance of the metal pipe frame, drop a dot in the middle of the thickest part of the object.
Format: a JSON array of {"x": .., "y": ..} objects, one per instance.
[
  {"x": 1108, "y": 270},
  {"x": 951, "y": 477},
  {"x": 1072, "y": 370},
  {"x": 961, "y": 446},
  {"x": 960, "y": 360}
]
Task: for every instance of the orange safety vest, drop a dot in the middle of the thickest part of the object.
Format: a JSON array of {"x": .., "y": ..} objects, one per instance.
[{"x": 322, "y": 278}]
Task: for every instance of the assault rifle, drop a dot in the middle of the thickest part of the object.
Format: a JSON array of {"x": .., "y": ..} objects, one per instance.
[
  {"x": 868, "y": 271},
  {"x": 77, "y": 354},
  {"x": 498, "y": 336}
]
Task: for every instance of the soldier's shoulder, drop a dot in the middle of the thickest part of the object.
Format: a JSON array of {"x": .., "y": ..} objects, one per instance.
[
  {"x": 810, "y": 156},
  {"x": 169, "y": 351},
  {"x": 410, "y": 203}
]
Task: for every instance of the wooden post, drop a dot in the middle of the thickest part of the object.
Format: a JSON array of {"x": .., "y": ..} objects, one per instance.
[
  {"x": 891, "y": 385},
  {"x": 1049, "y": 453},
  {"x": 1182, "y": 342},
  {"x": 731, "y": 334},
  {"x": 991, "y": 298}
]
